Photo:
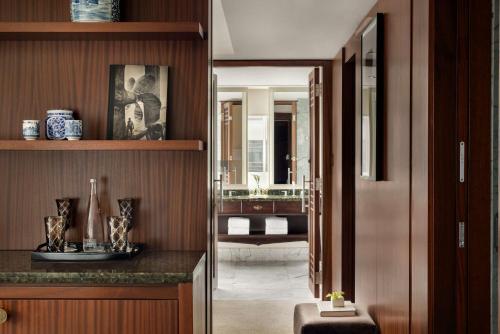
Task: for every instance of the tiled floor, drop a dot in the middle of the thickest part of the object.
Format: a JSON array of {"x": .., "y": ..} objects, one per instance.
[
  {"x": 263, "y": 281},
  {"x": 259, "y": 297}
]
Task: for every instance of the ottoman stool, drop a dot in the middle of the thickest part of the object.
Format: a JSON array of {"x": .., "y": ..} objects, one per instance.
[{"x": 307, "y": 321}]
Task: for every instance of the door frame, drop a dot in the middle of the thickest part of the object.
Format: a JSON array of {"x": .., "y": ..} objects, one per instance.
[{"x": 326, "y": 65}]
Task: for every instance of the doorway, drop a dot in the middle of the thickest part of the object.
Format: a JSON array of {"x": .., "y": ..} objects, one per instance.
[{"x": 268, "y": 213}]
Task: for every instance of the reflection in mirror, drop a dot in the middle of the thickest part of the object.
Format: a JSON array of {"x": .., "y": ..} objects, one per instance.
[
  {"x": 291, "y": 137},
  {"x": 257, "y": 148},
  {"x": 263, "y": 130},
  {"x": 231, "y": 136}
]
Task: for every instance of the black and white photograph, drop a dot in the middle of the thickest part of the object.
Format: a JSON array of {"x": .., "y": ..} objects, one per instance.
[{"x": 138, "y": 102}]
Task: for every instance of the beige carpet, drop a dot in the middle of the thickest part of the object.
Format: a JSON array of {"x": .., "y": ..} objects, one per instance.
[{"x": 253, "y": 317}]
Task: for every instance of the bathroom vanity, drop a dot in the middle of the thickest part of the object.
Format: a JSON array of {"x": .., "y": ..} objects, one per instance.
[
  {"x": 257, "y": 208},
  {"x": 160, "y": 292}
]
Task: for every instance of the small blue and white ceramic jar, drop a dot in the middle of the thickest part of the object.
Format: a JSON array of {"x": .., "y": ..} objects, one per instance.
[
  {"x": 55, "y": 123},
  {"x": 31, "y": 129},
  {"x": 95, "y": 10},
  {"x": 73, "y": 129}
]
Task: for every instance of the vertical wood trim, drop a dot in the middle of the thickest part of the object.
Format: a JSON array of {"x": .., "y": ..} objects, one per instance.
[
  {"x": 479, "y": 166},
  {"x": 327, "y": 178},
  {"x": 420, "y": 160},
  {"x": 462, "y": 135},
  {"x": 186, "y": 308}
]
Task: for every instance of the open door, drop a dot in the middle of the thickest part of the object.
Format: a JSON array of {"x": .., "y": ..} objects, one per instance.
[
  {"x": 315, "y": 183},
  {"x": 217, "y": 185}
]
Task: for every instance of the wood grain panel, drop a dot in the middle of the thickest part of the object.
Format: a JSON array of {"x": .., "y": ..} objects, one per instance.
[
  {"x": 420, "y": 169},
  {"x": 94, "y": 316},
  {"x": 75, "y": 75},
  {"x": 169, "y": 188},
  {"x": 101, "y": 145},
  {"x": 479, "y": 187},
  {"x": 336, "y": 240},
  {"x": 100, "y": 292},
  {"x": 382, "y": 208},
  {"x": 131, "y": 10},
  {"x": 40, "y": 75},
  {"x": 100, "y": 31}
]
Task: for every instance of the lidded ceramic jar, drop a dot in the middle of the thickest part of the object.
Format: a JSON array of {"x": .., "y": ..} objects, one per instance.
[{"x": 55, "y": 123}]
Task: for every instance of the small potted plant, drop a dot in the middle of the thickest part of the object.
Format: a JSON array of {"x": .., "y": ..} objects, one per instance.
[{"x": 337, "y": 298}]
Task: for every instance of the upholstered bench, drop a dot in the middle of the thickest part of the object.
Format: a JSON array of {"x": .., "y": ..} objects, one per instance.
[{"x": 307, "y": 321}]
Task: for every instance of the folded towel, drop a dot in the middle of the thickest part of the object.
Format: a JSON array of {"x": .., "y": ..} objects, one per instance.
[
  {"x": 236, "y": 231},
  {"x": 238, "y": 226},
  {"x": 239, "y": 222},
  {"x": 276, "y": 225}
]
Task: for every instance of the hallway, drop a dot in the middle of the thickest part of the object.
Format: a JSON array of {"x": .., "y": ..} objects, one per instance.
[{"x": 259, "y": 297}]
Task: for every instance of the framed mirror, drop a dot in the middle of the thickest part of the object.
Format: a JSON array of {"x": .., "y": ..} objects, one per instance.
[{"x": 372, "y": 99}]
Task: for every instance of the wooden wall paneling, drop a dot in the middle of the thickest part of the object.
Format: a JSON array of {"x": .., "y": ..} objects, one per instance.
[
  {"x": 336, "y": 240},
  {"x": 96, "y": 316},
  {"x": 327, "y": 168},
  {"x": 443, "y": 167},
  {"x": 74, "y": 74},
  {"x": 343, "y": 175},
  {"x": 168, "y": 187},
  {"x": 479, "y": 168},
  {"x": 420, "y": 160},
  {"x": 382, "y": 217},
  {"x": 462, "y": 135},
  {"x": 348, "y": 175}
]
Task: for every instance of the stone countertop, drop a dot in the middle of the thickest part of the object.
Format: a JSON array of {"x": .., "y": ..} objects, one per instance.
[
  {"x": 149, "y": 267},
  {"x": 260, "y": 198}
]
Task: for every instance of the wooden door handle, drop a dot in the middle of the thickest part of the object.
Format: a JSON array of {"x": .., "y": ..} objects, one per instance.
[
  {"x": 258, "y": 207},
  {"x": 3, "y": 316}
]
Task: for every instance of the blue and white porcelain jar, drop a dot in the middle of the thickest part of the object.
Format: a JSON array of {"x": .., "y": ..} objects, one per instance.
[
  {"x": 95, "y": 10},
  {"x": 31, "y": 129},
  {"x": 55, "y": 123},
  {"x": 73, "y": 129}
]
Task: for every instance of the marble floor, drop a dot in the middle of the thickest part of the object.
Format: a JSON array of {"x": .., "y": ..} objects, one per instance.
[
  {"x": 259, "y": 297},
  {"x": 283, "y": 280}
]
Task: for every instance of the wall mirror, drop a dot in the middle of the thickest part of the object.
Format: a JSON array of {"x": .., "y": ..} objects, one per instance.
[
  {"x": 372, "y": 99},
  {"x": 263, "y": 134}
]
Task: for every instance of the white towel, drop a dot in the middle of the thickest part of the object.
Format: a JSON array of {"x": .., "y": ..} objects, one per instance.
[
  {"x": 276, "y": 225},
  {"x": 238, "y": 226}
]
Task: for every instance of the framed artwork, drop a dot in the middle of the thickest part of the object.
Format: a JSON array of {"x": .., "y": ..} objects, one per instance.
[
  {"x": 372, "y": 100},
  {"x": 138, "y": 102}
]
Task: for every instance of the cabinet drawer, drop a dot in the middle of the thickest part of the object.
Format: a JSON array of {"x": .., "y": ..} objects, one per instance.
[
  {"x": 288, "y": 207},
  {"x": 232, "y": 207},
  {"x": 90, "y": 316},
  {"x": 256, "y": 207}
]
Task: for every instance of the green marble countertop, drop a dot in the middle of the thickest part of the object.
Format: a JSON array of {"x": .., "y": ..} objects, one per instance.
[
  {"x": 149, "y": 267},
  {"x": 283, "y": 198}
]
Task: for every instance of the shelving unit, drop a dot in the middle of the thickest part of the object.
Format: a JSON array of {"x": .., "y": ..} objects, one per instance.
[
  {"x": 101, "y": 145},
  {"x": 101, "y": 31},
  {"x": 262, "y": 239}
]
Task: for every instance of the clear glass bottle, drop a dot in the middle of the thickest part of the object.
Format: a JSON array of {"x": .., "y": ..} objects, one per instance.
[{"x": 93, "y": 233}]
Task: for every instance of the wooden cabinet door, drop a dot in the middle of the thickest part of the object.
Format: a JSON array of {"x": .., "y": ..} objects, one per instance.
[{"x": 90, "y": 316}]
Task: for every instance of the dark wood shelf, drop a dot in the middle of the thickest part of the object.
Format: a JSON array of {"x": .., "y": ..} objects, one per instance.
[
  {"x": 262, "y": 239},
  {"x": 101, "y": 145},
  {"x": 101, "y": 31}
]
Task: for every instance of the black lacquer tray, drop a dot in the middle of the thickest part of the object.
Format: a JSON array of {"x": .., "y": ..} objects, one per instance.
[{"x": 74, "y": 253}]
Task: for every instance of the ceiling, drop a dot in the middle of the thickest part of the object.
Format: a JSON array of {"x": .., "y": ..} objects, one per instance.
[
  {"x": 285, "y": 29},
  {"x": 262, "y": 76}
]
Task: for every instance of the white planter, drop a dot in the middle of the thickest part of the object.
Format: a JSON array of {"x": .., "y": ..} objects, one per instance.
[{"x": 340, "y": 302}]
